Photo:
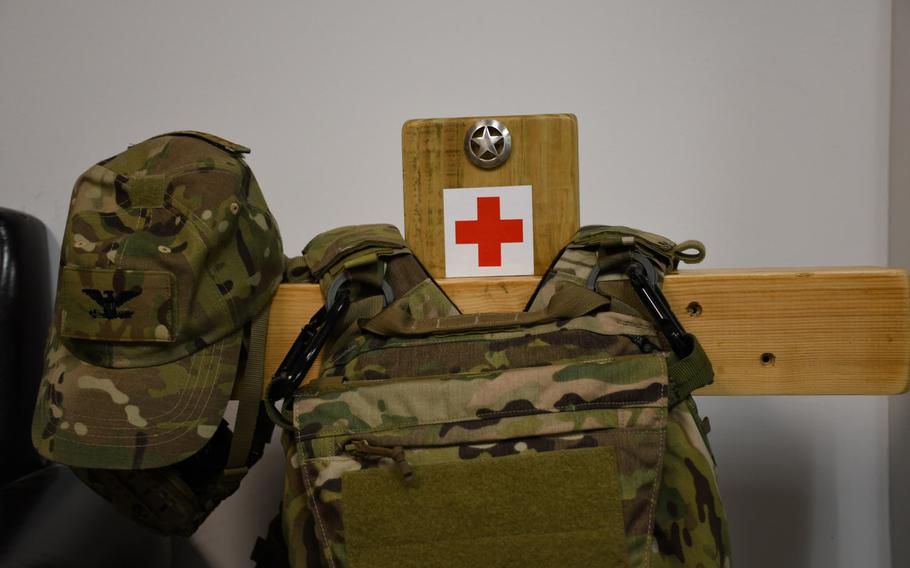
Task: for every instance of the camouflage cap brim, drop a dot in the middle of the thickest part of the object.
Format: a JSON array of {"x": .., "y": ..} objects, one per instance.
[{"x": 132, "y": 418}]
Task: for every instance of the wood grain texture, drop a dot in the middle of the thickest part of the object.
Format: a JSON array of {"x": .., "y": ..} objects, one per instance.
[
  {"x": 830, "y": 331},
  {"x": 544, "y": 156}
]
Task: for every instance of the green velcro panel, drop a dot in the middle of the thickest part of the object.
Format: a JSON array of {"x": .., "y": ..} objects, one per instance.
[
  {"x": 547, "y": 510},
  {"x": 147, "y": 191},
  {"x": 218, "y": 141},
  {"x": 116, "y": 305}
]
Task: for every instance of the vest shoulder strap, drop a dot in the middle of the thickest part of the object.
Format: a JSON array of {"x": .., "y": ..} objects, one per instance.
[
  {"x": 597, "y": 257},
  {"x": 598, "y": 254},
  {"x": 377, "y": 267}
]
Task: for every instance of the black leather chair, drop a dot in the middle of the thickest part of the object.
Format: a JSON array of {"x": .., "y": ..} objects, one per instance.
[
  {"x": 25, "y": 311},
  {"x": 48, "y": 518}
]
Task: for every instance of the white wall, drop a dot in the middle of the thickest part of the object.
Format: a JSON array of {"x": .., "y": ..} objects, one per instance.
[
  {"x": 758, "y": 127},
  {"x": 899, "y": 256}
]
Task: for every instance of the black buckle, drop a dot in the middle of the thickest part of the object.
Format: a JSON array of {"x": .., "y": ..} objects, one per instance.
[
  {"x": 643, "y": 278},
  {"x": 306, "y": 347}
]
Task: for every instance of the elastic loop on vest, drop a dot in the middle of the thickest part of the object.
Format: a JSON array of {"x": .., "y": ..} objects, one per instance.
[
  {"x": 692, "y": 372},
  {"x": 681, "y": 249}
]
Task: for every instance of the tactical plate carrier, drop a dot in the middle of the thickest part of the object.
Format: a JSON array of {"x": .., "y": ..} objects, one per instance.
[{"x": 563, "y": 435}]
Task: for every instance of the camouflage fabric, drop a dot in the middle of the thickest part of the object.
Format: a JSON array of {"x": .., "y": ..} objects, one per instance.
[
  {"x": 690, "y": 526},
  {"x": 169, "y": 251},
  {"x": 392, "y": 423},
  {"x": 348, "y": 247}
]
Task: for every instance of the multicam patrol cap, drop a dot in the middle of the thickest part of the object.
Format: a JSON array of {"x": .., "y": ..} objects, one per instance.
[{"x": 169, "y": 251}]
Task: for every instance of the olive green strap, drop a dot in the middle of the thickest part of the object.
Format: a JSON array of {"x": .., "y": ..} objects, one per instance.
[
  {"x": 364, "y": 308},
  {"x": 249, "y": 394},
  {"x": 570, "y": 301},
  {"x": 296, "y": 270},
  {"x": 689, "y": 373}
]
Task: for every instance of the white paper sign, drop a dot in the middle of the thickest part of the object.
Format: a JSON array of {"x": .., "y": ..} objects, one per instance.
[{"x": 489, "y": 231}]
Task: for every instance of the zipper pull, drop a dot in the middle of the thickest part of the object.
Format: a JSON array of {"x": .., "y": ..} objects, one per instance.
[{"x": 396, "y": 454}]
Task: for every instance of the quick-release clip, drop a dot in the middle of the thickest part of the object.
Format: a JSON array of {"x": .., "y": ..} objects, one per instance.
[
  {"x": 643, "y": 278},
  {"x": 302, "y": 354}
]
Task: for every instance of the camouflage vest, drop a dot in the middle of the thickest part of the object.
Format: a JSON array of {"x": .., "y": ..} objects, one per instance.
[{"x": 564, "y": 435}]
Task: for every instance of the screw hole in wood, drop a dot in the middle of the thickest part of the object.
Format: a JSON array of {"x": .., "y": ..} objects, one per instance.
[{"x": 694, "y": 309}]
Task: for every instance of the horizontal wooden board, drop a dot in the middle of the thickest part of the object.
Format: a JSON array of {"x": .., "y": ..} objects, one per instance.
[{"x": 768, "y": 332}]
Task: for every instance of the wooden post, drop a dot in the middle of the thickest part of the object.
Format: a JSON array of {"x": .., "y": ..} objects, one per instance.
[{"x": 544, "y": 155}]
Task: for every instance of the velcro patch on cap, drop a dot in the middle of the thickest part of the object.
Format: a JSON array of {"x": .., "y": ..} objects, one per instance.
[
  {"x": 116, "y": 305},
  {"x": 222, "y": 143}
]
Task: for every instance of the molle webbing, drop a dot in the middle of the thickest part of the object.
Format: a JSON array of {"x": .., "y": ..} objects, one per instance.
[
  {"x": 569, "y": 302},
  {"x": 335, "y": 251},
  {"x": 661, "y": 249}
]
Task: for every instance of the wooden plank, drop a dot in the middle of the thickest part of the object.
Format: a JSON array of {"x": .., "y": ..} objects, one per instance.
[
  {"x": 544, "y": 156},
  {"x": 826, "y": 331},
  {"x": 831, "y": 331}
]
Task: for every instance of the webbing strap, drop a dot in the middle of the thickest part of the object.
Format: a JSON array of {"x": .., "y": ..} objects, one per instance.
[
  {"x": 689, "y": 373},
  {"x": 296, "y": 269},
  {"x": 364, "y": 308},
  {"x": 570, "y": 301},
  {"x": 249, "y": 394}
]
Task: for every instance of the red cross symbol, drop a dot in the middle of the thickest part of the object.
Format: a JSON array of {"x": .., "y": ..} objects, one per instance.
[{"x": 489, "y": 232}]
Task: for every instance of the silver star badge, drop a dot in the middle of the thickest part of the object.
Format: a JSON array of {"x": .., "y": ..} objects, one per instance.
[{"x": 488, "y": 143}]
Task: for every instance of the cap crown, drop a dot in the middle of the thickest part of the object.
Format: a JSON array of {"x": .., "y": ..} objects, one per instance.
[{"x": 169, "y": 246}]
